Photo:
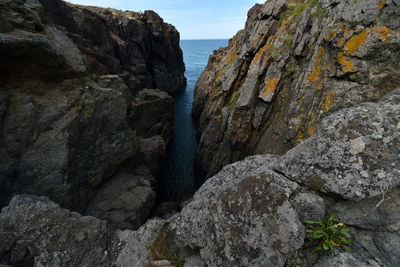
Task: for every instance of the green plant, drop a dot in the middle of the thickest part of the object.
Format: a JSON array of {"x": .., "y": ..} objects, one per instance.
[{"x": 328, "y": 234}]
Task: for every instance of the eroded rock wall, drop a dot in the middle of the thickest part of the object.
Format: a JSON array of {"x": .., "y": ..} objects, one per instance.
[
  {"x": 76, "y": 122},
  {"x": 294, "y": 63}
]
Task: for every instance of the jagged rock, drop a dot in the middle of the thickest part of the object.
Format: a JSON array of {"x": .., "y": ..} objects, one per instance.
[
  {"x": 153, "y": 150},
  {"x": 52, "y": 141},
  {"x": 138, "y": 46},
  {"x": 249, "y": 214},
  {"x": 377, "y": 224},
  {"x": 67, "y": 116},
  {"x": 37, "y": 232},
  {"x": 242, "y": 216},
  {"x": 151, "y": 114},
  {"x": 290, "y": 67},
  {"x": 125, "y": 201},
  {"x": 359, "y": 147}
]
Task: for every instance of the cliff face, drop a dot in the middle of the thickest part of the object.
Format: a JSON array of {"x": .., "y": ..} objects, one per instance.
[
  {"x": 251, "y": 213},
  {"x": 141, "y": 48},
  {"x": 294, "y": 63},
  {"x": 71, "y": 95}
]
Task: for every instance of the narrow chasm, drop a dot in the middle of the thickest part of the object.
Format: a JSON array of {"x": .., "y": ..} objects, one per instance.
[{"x": 178, "y": 181}]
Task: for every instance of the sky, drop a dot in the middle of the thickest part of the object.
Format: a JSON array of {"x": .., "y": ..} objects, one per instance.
[{"x": 194, "y": 19}]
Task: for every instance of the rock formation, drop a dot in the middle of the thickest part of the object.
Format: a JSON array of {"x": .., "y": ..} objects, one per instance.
[
  {"x": 76, "y": 124},
  {"x": 251, "y": 213},
  {"x": 312, "y": 86},
  {"x": 292, "y": 65}
]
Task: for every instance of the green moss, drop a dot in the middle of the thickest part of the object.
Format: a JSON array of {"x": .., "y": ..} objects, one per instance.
[
  {"x": 234, "y": 100},
  {"x": 295, "y": 9},
  {"x": 161, "y": 250}
]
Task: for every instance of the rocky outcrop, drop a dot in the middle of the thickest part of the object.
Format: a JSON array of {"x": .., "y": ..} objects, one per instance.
[
  {"x": 252, "y": 212},
  {"x": 139, "y": 47},
  {"x": 76, "y": 123},
  {"x": 294, "y": 63}
]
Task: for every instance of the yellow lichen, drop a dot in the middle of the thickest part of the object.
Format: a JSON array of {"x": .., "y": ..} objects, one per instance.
[
  {"x": 316, "y": 73},
  {"x": 328, "y": 102},
  {"x": 347, "y": 64},
  {"x": 355, "y": 42},
  {"x": 358, "y": 40},
  {"x": 341, "y": 41},
  {"x": 270, "y": 86},
  {"x": 384, "y": 32},
  {"x": 330, "y": 35},
  {"x": 381, "y": 4},
  {"x": 260, "y": 53},
  {"x": 311, "y": 131},
  {"x": 300, "y": 136},
  {"x": 231, "y": 58}
]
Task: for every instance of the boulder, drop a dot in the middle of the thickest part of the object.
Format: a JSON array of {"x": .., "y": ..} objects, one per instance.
[{"x": 125, "y": 201}]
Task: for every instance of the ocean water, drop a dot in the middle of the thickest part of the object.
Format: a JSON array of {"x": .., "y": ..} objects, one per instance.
[{"x": 178, "y": 181}]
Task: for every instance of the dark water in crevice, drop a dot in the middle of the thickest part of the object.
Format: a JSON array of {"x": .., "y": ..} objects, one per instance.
[{"x": 178, "y": 180}]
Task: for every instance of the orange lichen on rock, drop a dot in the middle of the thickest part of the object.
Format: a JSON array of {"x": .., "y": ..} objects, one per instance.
[
  {"x": 269, "y": 88},
  {"x": 320, "y": 85},
  {"x": 311, "y": 131},
  {"x": 330, "y": 35},
  {"x": 260, "y": 53},
  {"x": 328, "y": 102},
  {"x": 384, "y": 32},
  {"x": 355, "y": 42},
  {"x": 381, "y": 4},
  {"x": 347, "y": 64},
  {"x": 316, "y": 73},
  {"x": 300, "y": 136},
  {"x": 231, "y": 58}
]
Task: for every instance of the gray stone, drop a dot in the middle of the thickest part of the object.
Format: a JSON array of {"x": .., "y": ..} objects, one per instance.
[
  {"x": 242, "y": 216},
  {"x": 151, "y": 114},
  {"x": 354, "y": 154},
  {"x": 125, "y": 201},
  {"x": 153, "y": 150},
  {"x": 309, "y": 206},
  {"x": 194, "y": 261}
]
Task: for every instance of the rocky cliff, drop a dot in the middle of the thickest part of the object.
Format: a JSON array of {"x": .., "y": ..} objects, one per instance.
[
  {"x": 294, "y": 63},
  {"x": 76, "y": 124},
  {"x": 251, "y": 213}
]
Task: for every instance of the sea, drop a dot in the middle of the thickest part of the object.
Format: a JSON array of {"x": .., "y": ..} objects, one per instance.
[{"x": 178, "y": 181}]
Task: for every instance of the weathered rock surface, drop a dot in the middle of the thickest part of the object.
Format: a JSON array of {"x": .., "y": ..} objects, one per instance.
[
  {"x": 290, "y": 67},
  {"x": 125, "y": 201},
  {"x": 74, "y": 123},
  {"x": 140, "y": 47},
  {"x": 251, "y": 212},
  {"x": 151, "y": 114}
]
